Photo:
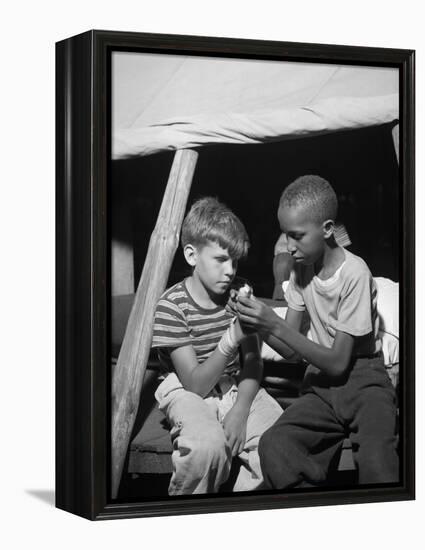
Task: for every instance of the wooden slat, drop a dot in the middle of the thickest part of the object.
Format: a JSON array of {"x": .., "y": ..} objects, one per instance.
[{"x": 129, "y": 371}]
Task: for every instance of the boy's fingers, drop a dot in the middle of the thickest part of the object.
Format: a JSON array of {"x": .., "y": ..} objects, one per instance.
[
  {"x": 229, "y": 436},
  {"x": 233, "y": 293},
  {"x": 231, "y": 303},
  {"x": 242, "y": 308},
  {"x": 245, "y": 311},
  {"x": 245, "y": 320},
  {"x": 245, "y": 301},
  {"x": 232, "y": 445}
]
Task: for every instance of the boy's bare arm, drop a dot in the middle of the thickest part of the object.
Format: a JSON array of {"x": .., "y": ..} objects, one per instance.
[
  {"x": 197, "y": 378},
  {"x": 201, "y": 379},
  {"x": 252, "y": 371},
  {"x": 234, "y": 423},
  {"x": 332, "y": 361},
  {"x": 294, "y": 319}
]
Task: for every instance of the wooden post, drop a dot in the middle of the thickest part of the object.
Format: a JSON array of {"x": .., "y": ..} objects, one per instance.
[
  {"x": 128, "y": 374},
  {"x": 395, "y": 133}
]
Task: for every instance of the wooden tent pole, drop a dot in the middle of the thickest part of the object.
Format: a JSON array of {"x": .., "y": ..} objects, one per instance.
[{"x": 130, "y": 369}]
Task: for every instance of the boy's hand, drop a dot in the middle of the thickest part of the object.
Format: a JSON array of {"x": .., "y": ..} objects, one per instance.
[
  {"x": 232, "y": 307},
  {"x": 256, "y": 315},
  {"x": 240, "y": 331},
  {"x": 232, "y": 302},
  {"x": 234, "y": 425}
]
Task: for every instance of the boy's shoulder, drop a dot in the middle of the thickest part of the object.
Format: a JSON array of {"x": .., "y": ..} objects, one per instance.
[
  {"x": 174, "y": 300},
  {"x": 174, "y": 293},
  {"x": 355, "y": 265}
]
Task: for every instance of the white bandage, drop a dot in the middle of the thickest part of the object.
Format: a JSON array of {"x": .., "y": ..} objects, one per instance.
[
  {"x": 233, "y": 336},
  {"x": 230, "y": 341}
]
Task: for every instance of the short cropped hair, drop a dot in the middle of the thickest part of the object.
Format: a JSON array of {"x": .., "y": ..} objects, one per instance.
[
  {"x": 315, "y": 194},
  {"x": 209, "y": 220}
]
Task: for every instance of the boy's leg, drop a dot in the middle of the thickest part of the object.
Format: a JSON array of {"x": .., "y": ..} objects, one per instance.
[
  {"x": 263, "y": 414},
  {"x": 201, "y": 459},
  {"x": 373, "y": 427},
  {"x": 298, "y": 448}
]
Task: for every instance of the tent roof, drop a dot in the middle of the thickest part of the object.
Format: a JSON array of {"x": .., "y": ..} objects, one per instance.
[{"x": 162, "y": 102}]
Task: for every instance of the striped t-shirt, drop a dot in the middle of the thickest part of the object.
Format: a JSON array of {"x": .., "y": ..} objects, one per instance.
[{"x": 180, "y": 321}]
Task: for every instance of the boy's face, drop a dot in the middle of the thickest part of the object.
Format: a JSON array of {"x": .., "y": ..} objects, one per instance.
[
  {"x": 306, "y": 238},
  {"x": 213, "y": 266}
]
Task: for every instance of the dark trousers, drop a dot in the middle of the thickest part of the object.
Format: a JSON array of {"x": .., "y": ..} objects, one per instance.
[{"x": 298, "y": 449}]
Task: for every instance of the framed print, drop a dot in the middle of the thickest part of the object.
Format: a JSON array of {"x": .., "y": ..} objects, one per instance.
[{"x": 263, "y": 356}]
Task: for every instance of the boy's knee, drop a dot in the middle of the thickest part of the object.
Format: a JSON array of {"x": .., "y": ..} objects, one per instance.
[
  {"x": 273, "y": 441},
  {"x": 264, "y": 443},
  {"x": 279, "y": 459},
  {"x": 210, "y": 449}
]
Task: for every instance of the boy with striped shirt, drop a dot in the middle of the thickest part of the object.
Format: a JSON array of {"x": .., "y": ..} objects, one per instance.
[{"x": 215, "y": 408}]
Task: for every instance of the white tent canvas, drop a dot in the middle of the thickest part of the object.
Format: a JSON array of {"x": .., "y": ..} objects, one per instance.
[{"x": 165, "y": 102}]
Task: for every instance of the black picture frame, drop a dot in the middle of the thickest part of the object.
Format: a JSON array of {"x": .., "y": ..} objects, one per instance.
[{"x": 82, "y": 272}]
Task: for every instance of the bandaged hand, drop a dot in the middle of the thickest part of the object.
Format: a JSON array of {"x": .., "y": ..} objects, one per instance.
[
  {"x": 245, "y": 291},
  {"x": 232, "y": 302},
  {"x": 229, "y": 343},
  {"x": 234, "y": 335}
]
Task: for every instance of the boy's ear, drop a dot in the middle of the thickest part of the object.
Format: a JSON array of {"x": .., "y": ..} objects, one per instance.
[
  {"x": 189, "y": 252},
  {"x": 328, "y": 228}
]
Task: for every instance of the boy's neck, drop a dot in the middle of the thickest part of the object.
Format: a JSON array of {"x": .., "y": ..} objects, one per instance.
[
  {"x": 332, "y": 259},
  {"x": 200, "y": 294}
]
